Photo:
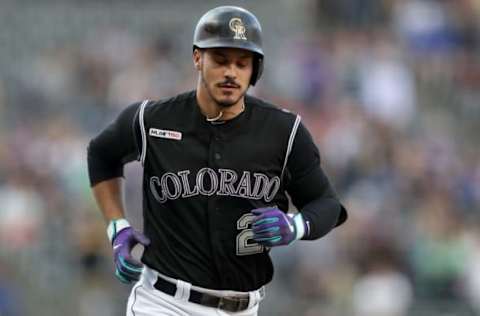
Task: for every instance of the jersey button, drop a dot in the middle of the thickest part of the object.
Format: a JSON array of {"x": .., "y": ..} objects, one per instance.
[{"x": 218, "y": 156}]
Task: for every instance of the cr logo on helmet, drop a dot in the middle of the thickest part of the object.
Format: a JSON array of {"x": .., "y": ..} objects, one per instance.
[{"x": 237, "y": 26}]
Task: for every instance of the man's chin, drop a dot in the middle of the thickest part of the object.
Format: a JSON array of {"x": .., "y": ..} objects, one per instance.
[{"x": 226, "y": 102}]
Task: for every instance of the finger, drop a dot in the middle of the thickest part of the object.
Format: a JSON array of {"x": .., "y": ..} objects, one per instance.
[
  {"x": 265, "y": 229},
  {"x": 128, "y": 271},
  {"x": 122, "y": 266},
  {"x": 264, "y": 236},
  {"x": 132, "y": 263},
  {"x": 141, "y": 238},
  {"x": 270, "y": 241},
  {"x": 273, "y": 242},
  {"x": 129, "y": 274},
  {"x": 124, "y": 279},
  {"x": 260, "y": 211},
  {"x": 120, "y": 277},
  {"x": 264, "y": 220}
]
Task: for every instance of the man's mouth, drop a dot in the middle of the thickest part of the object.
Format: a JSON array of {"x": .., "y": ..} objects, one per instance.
[{"x": 228, "y": 86}]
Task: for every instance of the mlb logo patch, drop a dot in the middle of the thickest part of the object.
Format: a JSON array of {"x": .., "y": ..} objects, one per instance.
[{"x": 163, "y": 133}]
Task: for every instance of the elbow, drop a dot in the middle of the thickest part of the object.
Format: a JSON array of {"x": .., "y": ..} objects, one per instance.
[{"x": 93, "y": 162}]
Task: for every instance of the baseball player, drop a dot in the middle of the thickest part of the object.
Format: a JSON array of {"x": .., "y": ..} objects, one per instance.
[{"x": 217, "y": 167}]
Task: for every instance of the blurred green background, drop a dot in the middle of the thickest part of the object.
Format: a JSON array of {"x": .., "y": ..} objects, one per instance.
[{"x": 390, "y": 90}]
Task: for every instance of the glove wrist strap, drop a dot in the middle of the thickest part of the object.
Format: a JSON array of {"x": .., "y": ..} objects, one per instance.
[
  {"x": 115, "y": 226},
  {"x": 299, "y": 225}
]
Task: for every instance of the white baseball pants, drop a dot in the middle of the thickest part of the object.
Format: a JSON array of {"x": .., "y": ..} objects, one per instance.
[{"x": 146, "y": 300}]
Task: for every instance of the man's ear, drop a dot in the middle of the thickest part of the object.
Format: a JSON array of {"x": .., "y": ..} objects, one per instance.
[{"x": 197, "y": 58}]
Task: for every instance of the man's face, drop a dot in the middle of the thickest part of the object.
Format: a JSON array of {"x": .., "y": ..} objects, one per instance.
[{"x": 225, "y": 73}]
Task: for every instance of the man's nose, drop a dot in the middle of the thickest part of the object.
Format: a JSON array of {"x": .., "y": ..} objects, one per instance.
[{"x": 231, "y": 71}]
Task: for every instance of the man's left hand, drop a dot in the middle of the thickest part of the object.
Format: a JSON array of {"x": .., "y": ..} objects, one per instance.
[{"x": 272, "y": 227}]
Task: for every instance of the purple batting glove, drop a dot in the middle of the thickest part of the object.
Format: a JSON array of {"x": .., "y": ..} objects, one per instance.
[
  {"x": 127, "y": 268},
  {"x": 272, "y": 227}
]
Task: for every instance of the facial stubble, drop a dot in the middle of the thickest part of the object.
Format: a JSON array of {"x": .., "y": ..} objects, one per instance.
[{"x": 220, "y": 104}]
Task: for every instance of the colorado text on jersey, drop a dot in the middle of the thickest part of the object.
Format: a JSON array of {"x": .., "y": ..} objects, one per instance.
[{"x": 171, "y": 186}]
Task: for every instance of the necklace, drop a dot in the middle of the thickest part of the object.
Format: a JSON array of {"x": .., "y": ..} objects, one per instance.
[{"x": 216, "y": 118}]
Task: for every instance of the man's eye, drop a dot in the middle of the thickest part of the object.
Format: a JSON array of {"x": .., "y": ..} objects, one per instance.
[{"x": 220, "y": 61}]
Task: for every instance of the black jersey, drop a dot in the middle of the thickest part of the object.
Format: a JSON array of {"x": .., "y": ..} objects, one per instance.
[{"x": 201, "y": 180}]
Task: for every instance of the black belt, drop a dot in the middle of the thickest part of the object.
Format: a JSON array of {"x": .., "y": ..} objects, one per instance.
[{"x": 228, "y": 303}]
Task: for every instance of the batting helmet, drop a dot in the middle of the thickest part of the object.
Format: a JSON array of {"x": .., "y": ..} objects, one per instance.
[{"x": 235, "y": 27}]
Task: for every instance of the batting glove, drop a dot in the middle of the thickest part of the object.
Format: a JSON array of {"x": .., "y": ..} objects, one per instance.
[
  {"x": 272, "y": 227},
  {"x": 124, "y": 238}
]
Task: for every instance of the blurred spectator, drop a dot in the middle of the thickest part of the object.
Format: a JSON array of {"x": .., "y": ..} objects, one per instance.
[
  {"x": 149, "y": 75},
  {"x": 387, "y": 87},
  {"x": 351, "y": 13},
  {"x": 440, "y": 251},
  {"x": 471, "y": 274},
  {"x": 10, "y": 299},
  {"x": 383, "y": 290},
  {"x": 425, "y": 26},
  {"x": 21, "y": 215}
]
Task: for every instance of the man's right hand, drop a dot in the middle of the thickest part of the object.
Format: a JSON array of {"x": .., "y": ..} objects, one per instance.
[{"x": 127, "y": 268}]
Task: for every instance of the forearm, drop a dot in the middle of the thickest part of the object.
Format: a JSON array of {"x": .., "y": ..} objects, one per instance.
[
  {"x": 321, "y": 216},
  {"x": 109, "y": 197},
  {"x": 122, "y": 236},
  {"x": 316, "y": 200}
]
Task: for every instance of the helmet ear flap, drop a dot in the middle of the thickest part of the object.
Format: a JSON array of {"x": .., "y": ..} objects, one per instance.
[{"x": 257, "y": 68}]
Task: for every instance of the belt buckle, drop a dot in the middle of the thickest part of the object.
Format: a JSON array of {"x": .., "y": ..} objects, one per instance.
[{"x": 233, "y": 304}]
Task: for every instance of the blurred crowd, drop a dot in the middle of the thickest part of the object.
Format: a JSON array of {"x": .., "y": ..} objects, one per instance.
[{"x": 391, "y": 93}]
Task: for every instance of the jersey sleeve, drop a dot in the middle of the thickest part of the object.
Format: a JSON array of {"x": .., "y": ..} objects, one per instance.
[
  {"x": 310, "y": 189},
  {"x": 115, "y": 146}
]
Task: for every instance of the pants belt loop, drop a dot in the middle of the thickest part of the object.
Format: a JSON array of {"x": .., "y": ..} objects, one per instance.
[
  {"x": 183, "y": 290},
  {"x": 260, "y": 294},
  {"x": 186, "y": 293},
  {"x": 148, "y": 277},
  {"x": 256, "y": 297},
  {"x": 179, "y": 293},
  {"x": 252, "y": 299}
]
